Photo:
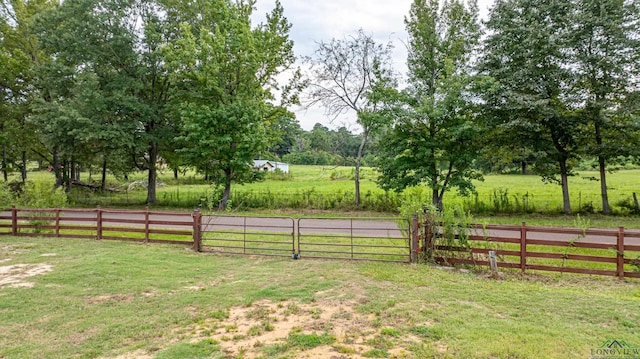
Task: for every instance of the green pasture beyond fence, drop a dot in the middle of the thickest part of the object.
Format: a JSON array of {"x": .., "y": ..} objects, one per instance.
[
  {"x": 522, "y": 248},
  {"x": 499, "y": 201}
]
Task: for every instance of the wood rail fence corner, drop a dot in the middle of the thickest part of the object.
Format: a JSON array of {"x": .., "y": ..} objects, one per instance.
[{"x": 608, "y": 252}]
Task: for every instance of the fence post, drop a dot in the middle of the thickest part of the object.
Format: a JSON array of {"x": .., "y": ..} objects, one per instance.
[
  {"x": 415, "y": 230},
  {"x": 351, "y": 236},
  {"x": 197, "y": 224},
  {"x": 57, "y": 221},
  {"x": 427, "y": 243},
  {"x": 98, "y": 223},
  {"x": 523, "y": 247},
  {"x": 293, "y": 237},
  {"x": 14, "y": 221},
  {"x": 146, "y": 224},
  {"x": 620, "y": 252}
]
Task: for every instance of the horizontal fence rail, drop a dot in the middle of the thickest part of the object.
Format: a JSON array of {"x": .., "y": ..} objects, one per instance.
[
  {"x": 608, "y": 252},
  {"x": 102, "y": 224},
  {"x": 372, "y": 239}
]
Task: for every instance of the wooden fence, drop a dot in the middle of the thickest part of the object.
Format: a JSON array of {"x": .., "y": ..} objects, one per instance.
[
  {"x": 609, "y": 252},
  {"x": 103, "y": 224}
]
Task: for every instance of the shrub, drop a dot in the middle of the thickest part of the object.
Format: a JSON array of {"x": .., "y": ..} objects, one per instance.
[
  {"x": 41, "y": 194},
  {"x": 7, "y": 197},
  {"x": 449, "y": 227},
  {"x": 628, "y": 205}
]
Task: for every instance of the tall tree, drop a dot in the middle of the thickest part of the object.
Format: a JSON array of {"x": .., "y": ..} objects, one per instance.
[
  {"x": 21, "y": 54},
  {"x": 605, "y": 53},
  {"x": 433, "y": 139},
  {"x": 226, "y": 72},
  {"x": 116, "y": 43},
  {"x": 343, "y": 74},
  {"x": 525, "y": 52}
]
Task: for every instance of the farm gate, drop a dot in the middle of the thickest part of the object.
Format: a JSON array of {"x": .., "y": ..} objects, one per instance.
[{"x": 375, "y": 239}]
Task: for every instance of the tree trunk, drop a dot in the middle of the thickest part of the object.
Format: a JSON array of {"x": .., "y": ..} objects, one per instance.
[
  {"x": 224, "y": 201},
  {"x": 65, "y": 176},
  {"x": 153, "y": 173},
  {"x": 103, "y": 183},
  {"x": 356, "y": 176},
  {"x": 524, "y": 168},
  {"x": 436, "y": 199},
  {"x": 56, "y": 168},
  {"x": 72, "y": 169},
  {"x": 24, "y": 166},
  {"x": 604, "y": 193},
  {"x": 565, "y": 185},
  {"x": 5, "y": 171},
  {"x": 175, "y": 173}
]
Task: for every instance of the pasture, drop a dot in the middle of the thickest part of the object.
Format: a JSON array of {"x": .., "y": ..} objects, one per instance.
[
  {"x": 313, "y": 189},
  {"x": 62, "y": 298}
]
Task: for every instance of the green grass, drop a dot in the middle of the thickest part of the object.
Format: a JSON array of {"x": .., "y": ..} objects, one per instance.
[
  {"x": 318, "y": 188},
  {"x": 104, "y": 299},
  {"x": 309, "y": 341}
]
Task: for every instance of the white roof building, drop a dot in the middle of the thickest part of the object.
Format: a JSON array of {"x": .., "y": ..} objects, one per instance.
[{"x": 267, "y": 165}]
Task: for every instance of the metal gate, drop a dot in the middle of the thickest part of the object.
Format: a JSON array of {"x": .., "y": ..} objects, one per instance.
[
  {"x": 271, "y": 236},
  {"x": 371, "y": 239}
]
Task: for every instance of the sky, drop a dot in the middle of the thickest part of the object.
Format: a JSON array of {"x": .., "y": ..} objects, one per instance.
[{"x": 322, "y": 20}]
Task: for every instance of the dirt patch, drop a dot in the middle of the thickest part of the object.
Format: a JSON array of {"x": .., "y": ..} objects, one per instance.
[
  {"x": 99, "y": 299},
  {"x": 14, "y": 276},
  {"x": 138, "y": 354},
  {"x": 251, "y": 330}
]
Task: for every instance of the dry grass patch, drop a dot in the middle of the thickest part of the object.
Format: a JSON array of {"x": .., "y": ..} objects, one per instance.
[
  {"x": 321, "y": 329},
  {"x": 14, "y": 276}
]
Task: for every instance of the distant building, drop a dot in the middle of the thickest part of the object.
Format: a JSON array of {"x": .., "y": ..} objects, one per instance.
[{"x": 266, "y": 165}]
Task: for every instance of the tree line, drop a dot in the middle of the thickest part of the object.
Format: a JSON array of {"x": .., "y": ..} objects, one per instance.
[
  {"x": 546, "y": 83},
  {"x": 123, "y": 84}
]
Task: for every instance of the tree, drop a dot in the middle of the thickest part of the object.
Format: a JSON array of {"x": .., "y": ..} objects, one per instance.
[
  {"x": 343, "y": 74},
  {"x": 433, "y": 138},
  {"x": 110, "y": 53},
  {"x": 605, "y": 55},
  {"x": 225, "y": 73},
  {"x": 20, "y": 54},
  {"x": 525, "y": 53},
  {"x": 320, "y": 138},
  {"x": 286, "y": 131}
]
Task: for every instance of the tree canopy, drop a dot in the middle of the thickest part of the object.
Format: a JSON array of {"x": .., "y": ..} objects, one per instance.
[{"x": 433, "y": 137}]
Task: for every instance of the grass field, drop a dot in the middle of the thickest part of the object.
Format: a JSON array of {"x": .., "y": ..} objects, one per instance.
[
  {"x": 317, "y": 188},
  {"x": 62, "y": 298}
]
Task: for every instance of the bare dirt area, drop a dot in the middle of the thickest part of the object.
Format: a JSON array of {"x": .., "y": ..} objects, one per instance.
[
  {"x": 15, "y": 276},
  {"x": 249, "y": 331}
]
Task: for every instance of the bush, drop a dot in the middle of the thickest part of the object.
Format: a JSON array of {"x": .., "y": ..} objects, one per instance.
[
  {"x": 34, "y": 194},
  {"x": 629, "y": 206},
  {"x": 41, "y": 194},
  {"x": 449, "y": 227}
]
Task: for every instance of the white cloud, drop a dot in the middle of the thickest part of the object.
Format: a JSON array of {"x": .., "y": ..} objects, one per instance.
[{"x": 322, "y": 20}]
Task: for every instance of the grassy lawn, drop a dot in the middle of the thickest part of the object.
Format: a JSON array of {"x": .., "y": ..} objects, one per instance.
[{"x": 62, "y": 298}]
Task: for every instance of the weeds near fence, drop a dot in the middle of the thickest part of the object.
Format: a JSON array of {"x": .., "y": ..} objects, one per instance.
[
  {"x": 501, "y": 201},
  {"x": 579, "y": 223}
]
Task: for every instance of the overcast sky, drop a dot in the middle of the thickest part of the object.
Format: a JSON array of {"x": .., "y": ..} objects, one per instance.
[{"x": 322, "y": 20}]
